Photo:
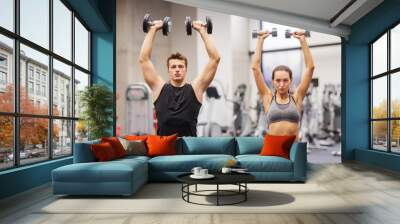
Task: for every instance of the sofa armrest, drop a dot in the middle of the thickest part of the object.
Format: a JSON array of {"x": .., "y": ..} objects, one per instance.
[
  {"x": 83, "y": 152},
  {"x": 298, "y": 155}
]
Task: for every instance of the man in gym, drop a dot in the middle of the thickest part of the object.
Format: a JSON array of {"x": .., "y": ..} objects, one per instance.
[{"x": 177, "y": 103}]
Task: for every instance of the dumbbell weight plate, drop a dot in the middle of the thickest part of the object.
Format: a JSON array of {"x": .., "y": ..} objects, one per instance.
[
  {"x": 274, "y": 32},
  {"x": 254, "y": 34},
  {"x": 288, "y": 34},
  {"x": 167, "y": 24},
  {"x": 146, "y": 22},
  {"x": 209, "y": 25},
  {"x": 188, "y": 24}
]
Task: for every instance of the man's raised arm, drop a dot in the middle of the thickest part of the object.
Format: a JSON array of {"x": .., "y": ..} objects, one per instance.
[
  {"x": 203, "y": 80},
  {"x": 151, "y": 77}
]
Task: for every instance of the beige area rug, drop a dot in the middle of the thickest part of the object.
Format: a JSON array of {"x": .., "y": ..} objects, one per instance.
[{"x": 166, "y": 198}]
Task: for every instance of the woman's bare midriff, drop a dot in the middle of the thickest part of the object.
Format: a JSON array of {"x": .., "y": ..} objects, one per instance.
[{"x": 283, "y": 128}]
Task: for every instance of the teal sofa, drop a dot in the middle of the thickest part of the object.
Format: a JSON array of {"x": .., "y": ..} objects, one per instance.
[{"x": 125, "y": 176}]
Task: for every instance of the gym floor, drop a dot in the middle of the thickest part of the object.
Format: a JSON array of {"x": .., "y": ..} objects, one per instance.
[{"x": 318, "y": 154}]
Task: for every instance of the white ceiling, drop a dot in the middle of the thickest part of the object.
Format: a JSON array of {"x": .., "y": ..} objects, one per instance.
[{"x": 314, "y": 15}]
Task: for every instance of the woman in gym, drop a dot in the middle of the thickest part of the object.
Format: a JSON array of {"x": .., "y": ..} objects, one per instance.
[{"x": 282, "y": 106}]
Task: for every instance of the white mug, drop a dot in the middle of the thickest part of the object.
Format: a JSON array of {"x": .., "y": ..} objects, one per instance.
[
  {"x": 203, "y": 172},
  {"x": 226, "y": 170},
  {"x": 196, "y": 170}
]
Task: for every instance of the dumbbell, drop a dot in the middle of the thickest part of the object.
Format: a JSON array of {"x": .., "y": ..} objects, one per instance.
[
  {"x": 188, "y": 24},
  {"x": 274, "y": 33},
  {"x": 166, "y": 28},
  {"x": 289, "y": 34}
]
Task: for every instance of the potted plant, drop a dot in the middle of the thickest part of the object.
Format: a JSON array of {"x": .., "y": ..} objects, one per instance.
[{"x": 96, "y": 102}]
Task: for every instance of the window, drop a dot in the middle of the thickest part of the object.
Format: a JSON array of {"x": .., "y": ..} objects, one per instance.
[
  {"x": 55, "y": 102},
  {"x": 81, "y": 81},
  {"x": 81, "y": 45},
  {"x": 30, "y": 87},
  {"x": 3, "y": 72},
  {"x": 33, "y": 149},
  {"x": 6, "y": 73},
  {"x": 38, "y": 89},
  {"x": 30, "y": 72},
  {"x": 37, "y": 75},
  {"x": 7, "y": 142},
  {"x": 34, "y": 21},
  {"x": 43, "y": 90},
  {"x": 395, "y": 47},
  {"x": 62, "y": 29},
  {"x": 385, "y": 96},
  {"x": 3, "y": 78},
  {"x": 62, "y": 74},
  {"x": 3, "y": 61},
  {"x": 7, "y": 14},
  {"x": 62, "y": 144},
  {"x": 54, "y": 125}
]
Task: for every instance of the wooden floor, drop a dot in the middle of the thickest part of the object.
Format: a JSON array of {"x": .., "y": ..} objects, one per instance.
[{"x": 377, "y": 188}]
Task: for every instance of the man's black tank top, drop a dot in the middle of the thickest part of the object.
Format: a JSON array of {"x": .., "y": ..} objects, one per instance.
[{"x": 177, "y": 109}]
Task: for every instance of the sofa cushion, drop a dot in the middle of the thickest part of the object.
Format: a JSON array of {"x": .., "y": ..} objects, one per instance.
[
  {"x": 132, "y": 157},
  {"x": 249, "y": 145},
  {"x": 206, "y": 145},
  {"x": 112, "y": 171},
  {"x": 185, "y": 163},
  {"x": 257, "y": 163}
]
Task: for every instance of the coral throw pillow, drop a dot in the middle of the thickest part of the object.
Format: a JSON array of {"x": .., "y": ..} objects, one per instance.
[
  {"x": 161, "y": 145},
  {"x": 103, "y": 151},
  {"x": 136, "y": 137},
  {"x": 275, "y": 145},
  {"x": 116, "y": 145}
]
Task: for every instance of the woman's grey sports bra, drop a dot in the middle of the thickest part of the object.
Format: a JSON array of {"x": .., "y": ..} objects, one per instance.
[{"x": 282, "y": 112}]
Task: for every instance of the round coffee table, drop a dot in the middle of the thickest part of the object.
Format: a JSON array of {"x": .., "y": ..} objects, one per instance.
[{"x": 238, "y": 179}]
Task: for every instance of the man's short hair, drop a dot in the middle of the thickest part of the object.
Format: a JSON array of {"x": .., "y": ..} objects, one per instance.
[{"x": 178, "y": 56}]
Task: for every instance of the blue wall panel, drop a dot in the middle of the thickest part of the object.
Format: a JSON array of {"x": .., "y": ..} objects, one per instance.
[
  {"x": 377, "y": 158},
  {"x": 24, "y": 178},
  {"x": 356, "y": 99},
  {"x": 356, "y": 85},
  {"x": 102, "y": 58}
]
